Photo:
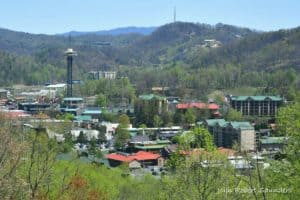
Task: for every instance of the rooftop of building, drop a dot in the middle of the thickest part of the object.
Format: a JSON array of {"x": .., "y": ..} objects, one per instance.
[
  {"x": 3, "y": 90},
  {"x": 139, "y": 138},
  {"x": 139, "y": 156},
  {"x": 14, "y": 114},
  {"x": 154, "y": 142},
  {"x": 73, "y": 99},
  {"x": 272, "y": 140},
  {"x": 150, "y": 147},
  {"x": 241, "y": 125},
  {"x": 255, "y": 98},
  {"x": 233, "y": 124},
  {"x": 213, "y": 122},
  {"x": 71, "y": 109},
  {"x": 92, "y": 112},
  {"x": 151, "y": 96},
  {"x": 83, "y": 118},
  {"x": 199, "y": 105},
  {"x": 58, "y": 85}
]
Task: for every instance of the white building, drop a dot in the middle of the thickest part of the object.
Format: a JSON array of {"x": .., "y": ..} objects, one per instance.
[
  {"x": 110, "y": 129},
  {"x": 88, "y": 133},
  {"x": 56, "y": 89},
  {"x": 103, "y": 75}
]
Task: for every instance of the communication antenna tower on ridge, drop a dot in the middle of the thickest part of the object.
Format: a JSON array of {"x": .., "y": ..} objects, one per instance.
[
  {"x": 174, "y": 14},
  {"x": 70, "y": 40}
]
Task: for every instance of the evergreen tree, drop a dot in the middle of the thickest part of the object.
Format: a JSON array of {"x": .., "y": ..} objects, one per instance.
[
  {"x": 190, "y": 116},
  {"x": 82, "y": 138}
]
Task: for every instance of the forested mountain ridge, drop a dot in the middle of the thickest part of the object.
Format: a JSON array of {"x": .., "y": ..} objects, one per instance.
[
  {"x": 268, "y": 51},
  {"x": 165, "y": 43},
  {"x": 115, "y": 32},
  {"x": 40, "y": 57},
  {"x": 175, "y": 41}
]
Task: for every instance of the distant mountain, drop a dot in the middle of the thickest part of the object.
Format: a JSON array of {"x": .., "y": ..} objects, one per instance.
[
  {"x": 116, "y": 32},
  {"x": 175, "y": 41},
  {"x": 180, "y": 41},
  {"x": 267, "y": 51}
]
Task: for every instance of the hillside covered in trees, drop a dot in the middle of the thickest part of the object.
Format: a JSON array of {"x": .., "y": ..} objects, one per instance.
[{"x": 178, "y": 51}]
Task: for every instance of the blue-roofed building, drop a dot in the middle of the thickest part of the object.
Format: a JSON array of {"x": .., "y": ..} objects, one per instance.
[
  {"x": 94, "y": 113},
  {"x": 83, "y": 118},
  {"x": 72, "y": 111}
]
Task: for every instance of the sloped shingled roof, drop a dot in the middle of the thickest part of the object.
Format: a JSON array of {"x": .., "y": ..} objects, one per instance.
[{"x": 139, "y": 156}]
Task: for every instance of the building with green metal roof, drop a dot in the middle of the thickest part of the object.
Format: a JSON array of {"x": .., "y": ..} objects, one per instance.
[
  {"x": 227, "y": 133},
  {"x": 213, "y": 122},
  {"x": 83, "y": 118},
  {"x": 271, "y": 144},
  {"x": 152, "y": 96},
  {"x": 256, "y": 105},
  {"x": 153, "y": 146}
]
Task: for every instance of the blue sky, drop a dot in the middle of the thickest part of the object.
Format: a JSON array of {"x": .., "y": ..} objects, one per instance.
[{"x": 58, "y": 16}]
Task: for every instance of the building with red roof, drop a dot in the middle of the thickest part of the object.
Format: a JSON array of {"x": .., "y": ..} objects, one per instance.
[
  {"x": 212, "y": 107},
  {"x": 198, "y": 105},
  {"x": 136, "y": 160},
  {"x": 15, "y": 114}
]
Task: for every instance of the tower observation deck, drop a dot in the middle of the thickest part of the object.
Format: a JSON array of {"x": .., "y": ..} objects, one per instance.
[{"x": 69, "y": 53}]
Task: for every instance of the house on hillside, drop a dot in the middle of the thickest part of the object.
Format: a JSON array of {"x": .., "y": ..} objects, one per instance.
[{"x": 211, "y": 43}]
